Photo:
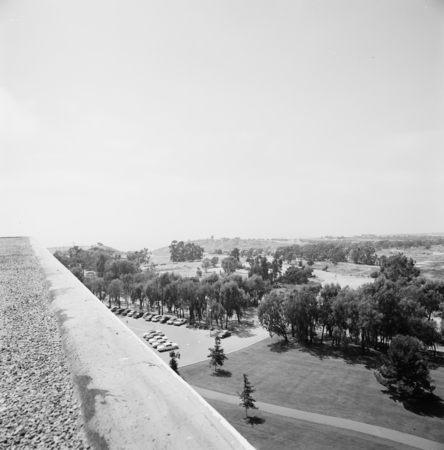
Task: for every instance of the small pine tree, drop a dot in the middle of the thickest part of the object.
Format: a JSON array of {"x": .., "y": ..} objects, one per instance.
[
  {"x": 247, "y": 401},
  {"x": 217, "y": 354},
  {"x": 173, "y": 362}
]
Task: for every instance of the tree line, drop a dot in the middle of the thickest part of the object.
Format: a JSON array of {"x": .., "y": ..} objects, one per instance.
[
  {"x": 359, "y": 253},
  {"x": 398, "y": 302}
]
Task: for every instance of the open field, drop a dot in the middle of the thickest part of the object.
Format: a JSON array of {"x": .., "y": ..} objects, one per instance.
[
  {"x": 269, "y": 431},
  {"x": 346, "y": 269},
  {"x": 323, "y": 380}
]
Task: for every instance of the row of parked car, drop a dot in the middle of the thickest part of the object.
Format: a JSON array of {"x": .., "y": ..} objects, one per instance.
[
  {"x": 204, "y": 326},
  {"x": 170, "y": 320},
  {"x": 159, "y": 341}
]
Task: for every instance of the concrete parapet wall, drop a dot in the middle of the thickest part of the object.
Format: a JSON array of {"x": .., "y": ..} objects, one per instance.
[{"x": 130, "y": 399}]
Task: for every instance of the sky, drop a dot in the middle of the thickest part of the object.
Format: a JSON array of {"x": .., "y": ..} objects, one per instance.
[{"x": 139, "y": 122}]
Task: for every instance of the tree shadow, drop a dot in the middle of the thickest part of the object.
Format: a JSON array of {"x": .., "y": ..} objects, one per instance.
[
  {"x": 222, "y": 373},
  {"x": 352, "y": 354},
  {"x": 429, "y": 405},
  {"x": 283, "y": 346},
  {"x": 244, "y": 329},
  {"x": 254, "y": 420}
]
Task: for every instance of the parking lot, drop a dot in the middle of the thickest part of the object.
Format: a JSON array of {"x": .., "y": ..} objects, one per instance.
[{"x": 193, "y": 343}]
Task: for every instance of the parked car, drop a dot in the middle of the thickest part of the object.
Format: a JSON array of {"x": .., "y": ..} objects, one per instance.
[
  {"x": 159, "y": 342},
  {"x": 171, "y": 321},
  {"x": 164, "y": 319},
  {"x": 167, "y": 347},
  {"x": 179, "y": 322},
  {"x": 131, "y": 312},
  {"x": 224, "y": 334},
  {"x": 137, "y": 315},
  {"x": 156, "y": 318},
  {"x": 114, "y": 308},
  {"x": 151, "y": 335},
  {"x": 125, "y": 312},
  {"x": 156, "y": 338},
  {"x": 146, "y": 315}
]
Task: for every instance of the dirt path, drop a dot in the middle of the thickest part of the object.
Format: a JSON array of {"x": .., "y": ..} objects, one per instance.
[{"x": 385, "y": 433}]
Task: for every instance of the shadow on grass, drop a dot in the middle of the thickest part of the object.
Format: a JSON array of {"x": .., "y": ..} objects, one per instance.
[
  {"x": 351, "y": 355},
  {"x": 254, "y": 420},
  {"x": 221, "y": 373},
  {"x": 429, "y": 405}
]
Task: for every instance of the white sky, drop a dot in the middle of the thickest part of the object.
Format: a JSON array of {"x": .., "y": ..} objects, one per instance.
[{"x": 135, "y": 123}]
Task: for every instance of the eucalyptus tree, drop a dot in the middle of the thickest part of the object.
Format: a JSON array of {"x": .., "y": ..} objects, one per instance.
[
  {"x": 325, "y": 306},
  {"x": 271, "y": 313}
]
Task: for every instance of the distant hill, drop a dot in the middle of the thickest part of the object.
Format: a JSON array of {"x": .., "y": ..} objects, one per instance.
[{"x": 83, "y": 247}]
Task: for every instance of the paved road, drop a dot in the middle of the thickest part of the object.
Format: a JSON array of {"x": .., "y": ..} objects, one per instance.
[{"x": 385, "y": 433}]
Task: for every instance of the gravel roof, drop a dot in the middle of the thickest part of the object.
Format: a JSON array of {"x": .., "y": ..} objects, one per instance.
[{"x": 38, "y": 406}]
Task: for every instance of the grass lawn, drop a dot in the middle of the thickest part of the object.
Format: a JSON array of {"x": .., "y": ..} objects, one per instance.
[
  {"x": 325, "y": 381},
  {"x": 269, "y": 431}
]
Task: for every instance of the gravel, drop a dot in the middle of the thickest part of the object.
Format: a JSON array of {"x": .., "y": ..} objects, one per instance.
[{"x": 38, "y": 406}]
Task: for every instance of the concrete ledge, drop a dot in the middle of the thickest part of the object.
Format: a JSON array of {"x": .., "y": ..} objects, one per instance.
[{"x": 130, "y": 399}]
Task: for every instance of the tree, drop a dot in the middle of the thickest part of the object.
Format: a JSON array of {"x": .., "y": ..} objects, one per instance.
[
  {"x": 405, "y": 370},
  {"x": 247, "y": 401},
  {"x": 229, "y": 264},
  {"x": 78, "y": 272},
  {"x": 325, "y": 306},
  {"x": 294, "y": 275},
  {"x": 100, "y": 264},
  {"x": 214, "y": 261},
  {"x": 256, "y": 287},
  {"x": 139, "y": 257},
  {"x": 271, "y": 313},
  {"x": 115, "y": 290},
  {"x": 276, "y": 270},
  {"x": 217, "y": 355},
  {"x": 206, "y": 264},
  {"x": 235, "y": 253},
  {"x": 306, "y": 311},
  {"x": 179, "y": 251},
  {"x": 63, "y": 258},
  {"x": 128, "y": 285},
  {"x": 398, "y": 266},
  {"x": 231, "y": 298},
  {"x": 173, "y": 361}
]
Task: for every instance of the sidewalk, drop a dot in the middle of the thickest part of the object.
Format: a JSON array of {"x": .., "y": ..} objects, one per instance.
[{"x": 385, "y": 433}]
